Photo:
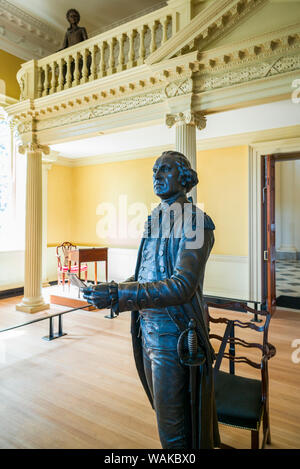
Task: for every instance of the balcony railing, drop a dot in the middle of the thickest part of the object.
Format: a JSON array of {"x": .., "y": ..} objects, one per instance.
[{"x": 113, "y": 51}]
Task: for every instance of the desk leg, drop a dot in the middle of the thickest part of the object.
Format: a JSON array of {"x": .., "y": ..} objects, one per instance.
[
  {"x": 79, "y": 273},
  {"x": 106, "y": 271},
  {"x": 96, "y": 273}
]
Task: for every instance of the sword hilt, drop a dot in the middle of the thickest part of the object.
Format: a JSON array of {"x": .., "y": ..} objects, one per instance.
[{"x": 192, "y": 339}]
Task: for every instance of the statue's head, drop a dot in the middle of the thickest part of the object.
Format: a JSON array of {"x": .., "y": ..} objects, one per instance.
[
  {"x": 73, "y": 16},
  {"x": 173, "y": 174}
]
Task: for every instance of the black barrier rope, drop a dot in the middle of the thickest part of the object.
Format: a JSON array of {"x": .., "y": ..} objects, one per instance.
[{"x": 51, "y": 335}]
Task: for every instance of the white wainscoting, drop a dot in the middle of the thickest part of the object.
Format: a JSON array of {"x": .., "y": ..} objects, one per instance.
[
  {"x": 226, "y": 276},
  {"x": 11, "y": 269}
]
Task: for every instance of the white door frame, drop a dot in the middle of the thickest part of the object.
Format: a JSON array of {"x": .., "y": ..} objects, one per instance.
[{"x": 256, "y": 151}]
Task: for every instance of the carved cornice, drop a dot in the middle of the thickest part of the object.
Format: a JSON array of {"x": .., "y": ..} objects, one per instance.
[
  {"x": 265, "y": 56},
  {"x": 176, "y": 85},
  {"x": 211, "y": 23},
  {"x": 24, "y": 35},
  {"x": 187, "y": 117}
]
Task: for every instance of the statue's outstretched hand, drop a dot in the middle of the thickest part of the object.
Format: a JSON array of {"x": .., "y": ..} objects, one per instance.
[{"x": 98, "y": 295}]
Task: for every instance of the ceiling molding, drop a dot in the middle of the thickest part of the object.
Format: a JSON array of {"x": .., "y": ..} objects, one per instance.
[
  {"x": 255, "y": 138},
  {"x": 114, "y": 157},
  {"x": 25, "y": 36}
]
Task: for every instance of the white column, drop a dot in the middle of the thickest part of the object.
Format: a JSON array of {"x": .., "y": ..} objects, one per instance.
[
  {"x": 47, "y": 162},
  {"x": 186, "y": 144},
  {"x": 186, "y": 125},
  {"x": 33, "y": 300},
  {"x": 45, "y": 168}
]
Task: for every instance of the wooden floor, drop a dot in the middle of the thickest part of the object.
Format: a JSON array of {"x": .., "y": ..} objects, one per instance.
[{"x": 82, "y": 390}]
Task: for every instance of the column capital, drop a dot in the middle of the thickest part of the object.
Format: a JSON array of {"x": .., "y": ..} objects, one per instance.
[
  {"x": 32, "y": 146},
  {"x": 49, "y": 158},
  {"x": 187, "y": 117}
]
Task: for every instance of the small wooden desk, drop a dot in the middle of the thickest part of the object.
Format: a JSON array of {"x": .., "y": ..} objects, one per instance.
[{"x": 89, "y": 255}]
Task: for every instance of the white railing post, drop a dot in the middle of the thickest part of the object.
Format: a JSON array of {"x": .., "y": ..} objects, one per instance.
[
  {"x": 53, "y": 78},
  {"x": 101, "y": 71},
  {"x": 121, "y": 58},
  {"x": 142, "y": 50},
  {"x": 68, "y": 78},
  {"x": 93, "y": 69}
]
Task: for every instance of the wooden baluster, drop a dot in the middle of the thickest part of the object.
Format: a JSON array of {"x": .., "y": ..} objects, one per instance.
[
  {"x": 153, "y": 41},
  {"x": 53, "y": 78},
  {"x": 76, "y": 78},
  {"x": 46, "y": 81},
  {"x": 142, "y": 51},
  {"x": 84, "y": 77},
  {"x": 102, "y": 68},
  {"x": 111, "y": 68},
  {"x": 121, "y": 58},
  {"x": 68, "y": 82},
  {"x": 40, "y": 82},
  {"x": 131, "y": 55},
  {"x": 93, "y": 69},
  {"x": 61, "y": 75}
]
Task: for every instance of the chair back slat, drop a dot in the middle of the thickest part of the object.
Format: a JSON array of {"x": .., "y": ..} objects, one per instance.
[
  {"x": 231, "y": 339},
  {"x": 236, "y": 305},
  {"x": 243, "y": 325},
  {"x": 62, "y": 251},
  {"x": 242, "y": 359}
]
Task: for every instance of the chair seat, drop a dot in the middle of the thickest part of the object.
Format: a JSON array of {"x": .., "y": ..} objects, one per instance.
[
  {"x": 74, "y": 268},
  {"x": 238, "y": 400}
]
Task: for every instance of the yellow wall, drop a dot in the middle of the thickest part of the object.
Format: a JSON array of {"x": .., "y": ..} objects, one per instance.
[
  {"x": 60, "y": 205},
  {"x": 106, "y": 183},
  {"x": 223, "y": 188},
  {"x": 9, "y": 66},
  {"x": 75, "y": 193}
]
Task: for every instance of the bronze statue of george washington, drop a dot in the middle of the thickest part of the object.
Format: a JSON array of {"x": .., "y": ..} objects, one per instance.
[{"x": 164, "y": 295}]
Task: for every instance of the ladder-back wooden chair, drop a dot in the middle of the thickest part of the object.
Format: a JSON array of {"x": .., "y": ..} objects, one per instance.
[
  {"x": 62, "y": 254},
  {"x": 242, "y": 401}
]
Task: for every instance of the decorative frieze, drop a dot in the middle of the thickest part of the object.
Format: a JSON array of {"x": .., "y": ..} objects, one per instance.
[{"x": 207, "y": 82}]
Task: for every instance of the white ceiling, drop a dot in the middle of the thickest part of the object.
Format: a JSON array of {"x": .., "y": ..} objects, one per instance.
[
  {"x": 96, "y": 15},
  {"x": 251, "y": 119}
]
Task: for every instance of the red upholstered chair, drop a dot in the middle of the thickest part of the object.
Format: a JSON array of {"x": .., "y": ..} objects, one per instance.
[{"x": 62, "y": 254}]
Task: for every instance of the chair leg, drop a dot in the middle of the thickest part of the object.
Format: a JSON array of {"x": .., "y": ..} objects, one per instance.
[
  {"x": 269, "y": 436},
  {"x": 254, "y": 439},
  {"x": 266, "y": 426},
  {"x": 85, "y": 275},
  {"x": 63, "y": 280}
]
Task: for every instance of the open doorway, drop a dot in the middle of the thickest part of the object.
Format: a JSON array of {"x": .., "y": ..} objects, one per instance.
[{"x": 281, "y": 231}]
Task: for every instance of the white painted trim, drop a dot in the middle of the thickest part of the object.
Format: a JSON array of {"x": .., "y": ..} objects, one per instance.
[
  {"x": 7, "y": 100},
  {"x": 256, "y": 151},
  {"x": 255, "y": 137},
  {"x": 110, "y": 157}
]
